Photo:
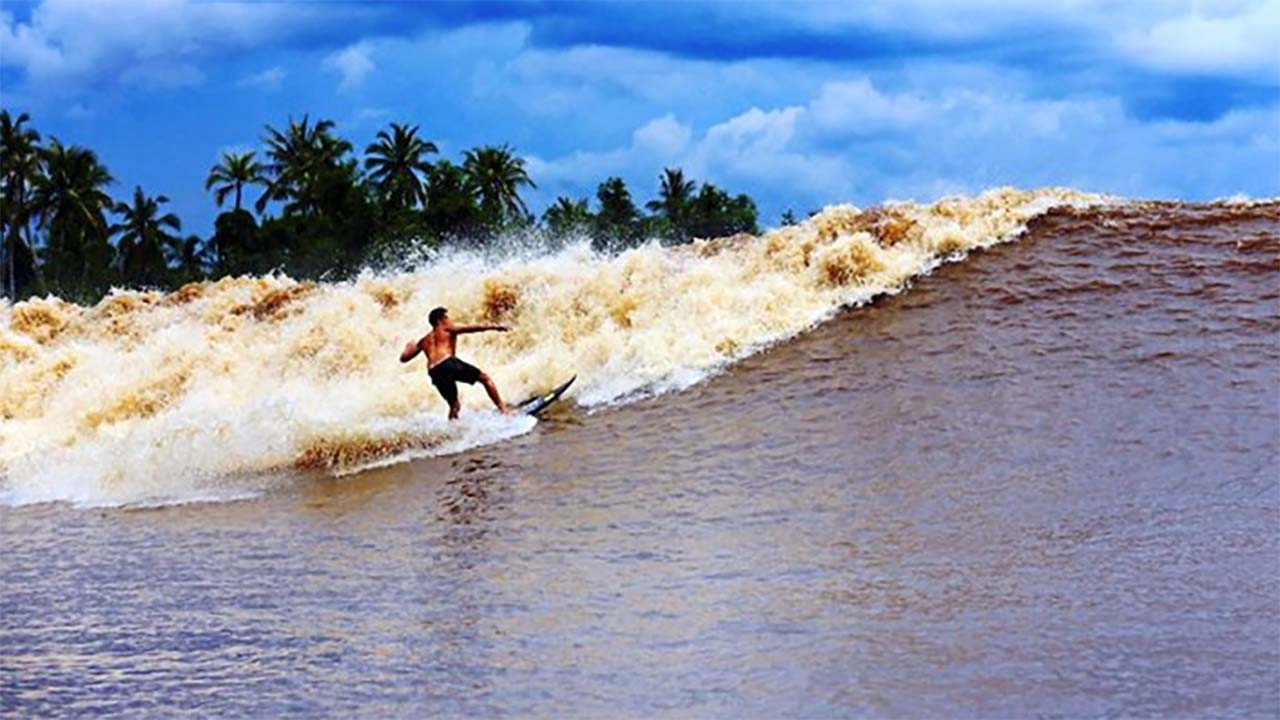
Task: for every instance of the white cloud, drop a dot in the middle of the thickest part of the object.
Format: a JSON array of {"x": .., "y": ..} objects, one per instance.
[
  {"x": 638, "y": 73},
  {"x": 756, "y": 131},
  {"x": 1211, "y": 37},
  {"x": 269, "y": 80},
  {"x": 756, "y": 148},
  {"x": 857, "y": 106},
  {"x": 25, "y": 46},
  {"x": 664, "y": 137},
  {"x": 353, "y": 63},
  {"x": 68, "y": 46},
  {"x": 789, "y": 132},
  {"x": 766, "y": 148},
  {"x": 561, "y": 82},
  {"x": 578, "y": 169},
  {"x": 956, "y": 140},
  {"x": 1242, "y": 39}
]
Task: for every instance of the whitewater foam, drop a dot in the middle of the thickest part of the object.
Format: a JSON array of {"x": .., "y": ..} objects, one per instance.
[{"x": 150, "y": 397}]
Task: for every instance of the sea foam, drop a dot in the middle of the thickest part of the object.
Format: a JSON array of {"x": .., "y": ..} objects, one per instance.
[{"x": 205, "y": 392}]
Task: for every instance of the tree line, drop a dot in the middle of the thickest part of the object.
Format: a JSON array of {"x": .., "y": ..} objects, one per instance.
[{"x": 320, "y": 210}]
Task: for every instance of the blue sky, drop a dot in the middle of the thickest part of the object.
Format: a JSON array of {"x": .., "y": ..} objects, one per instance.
[{"x": 798, "y": 104}]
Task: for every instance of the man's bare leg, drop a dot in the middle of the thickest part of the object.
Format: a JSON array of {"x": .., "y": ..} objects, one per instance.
[
  {"x": 492, "y": 389},
  {"x": 454, "y": 408}
]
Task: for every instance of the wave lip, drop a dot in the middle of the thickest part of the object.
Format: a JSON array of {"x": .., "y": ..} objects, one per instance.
[{"x": 201, "y": 393}]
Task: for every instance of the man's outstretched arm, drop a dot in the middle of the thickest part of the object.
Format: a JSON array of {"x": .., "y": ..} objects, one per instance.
[
  {"x": 411, "y": 351},
  {"x": 464, "y": 329}
]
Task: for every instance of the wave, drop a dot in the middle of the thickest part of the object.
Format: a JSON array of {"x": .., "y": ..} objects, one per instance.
[{"x": 218, "y": 389}]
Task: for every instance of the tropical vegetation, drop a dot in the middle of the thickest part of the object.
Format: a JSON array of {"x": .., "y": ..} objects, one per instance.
[{"x": 305, "y": 204}]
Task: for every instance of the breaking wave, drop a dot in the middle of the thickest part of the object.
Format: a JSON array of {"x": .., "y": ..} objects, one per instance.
[{"x": 220, "y": 389}]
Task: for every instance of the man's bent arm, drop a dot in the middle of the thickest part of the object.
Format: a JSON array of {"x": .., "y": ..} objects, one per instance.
[{"x": 411, "y": 351}]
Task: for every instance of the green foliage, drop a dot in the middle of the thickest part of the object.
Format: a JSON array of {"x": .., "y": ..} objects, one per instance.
[
  {"x": 55, "y": 233},
  {"x": 496, "y": 176},
  {"x": 143, "y": 238},
  {"x": 190, "y": 259},
  {"x": 231, "y": 174},
  {"x": 399, "y": 232},
  {"x": 712, "y": 213},
  {"x": 618, "y": 222},
  {"x": 568, "y": 217},
  {"x": 672, "y": 205},
  {"x": 331, "y": 238},
  {"x": 237, "y": 245},
  {"x": 396, "y": 166},
  {"x": 20, "y": 170},
  {"x": 301, "y": 161},
  {"x": 71, "y": 205},
  {"x": 451, "y": 202}
]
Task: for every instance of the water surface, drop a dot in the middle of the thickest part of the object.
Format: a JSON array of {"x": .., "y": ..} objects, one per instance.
[{"x": 1043, "y": 482}]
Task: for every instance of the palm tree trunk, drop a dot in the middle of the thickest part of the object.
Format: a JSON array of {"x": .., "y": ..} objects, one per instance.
[{"x": 237, "y": 197}]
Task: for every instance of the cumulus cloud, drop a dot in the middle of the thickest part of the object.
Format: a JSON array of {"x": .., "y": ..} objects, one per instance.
[
  {"x": 767, "y": 148},
  {"x": 656, "y": 141},
  {"x": 638, "y": 73},
  {"x": 857, "y": 106},
  {"x": 950, "y": 140},
  {"x": 353, "y": 64},
  {"x": 1223, "y": 37},
  {"x": 798, "y": 130},
  {"x": 664, "y": 136},
  {"x": 1240, "y": 40},
  {"x": 561, "y": 82},
  {"x": 68, "y": 45},
  {"x": 755, "y": 131},
  {"x": 755, "y": 148}
]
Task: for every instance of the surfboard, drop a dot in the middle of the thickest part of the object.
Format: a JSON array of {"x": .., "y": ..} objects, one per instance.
[{"x": 538, "y": 403}]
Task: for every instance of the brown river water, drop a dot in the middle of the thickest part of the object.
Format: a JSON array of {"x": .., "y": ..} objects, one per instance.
[{"x": 1042, "y": 482}]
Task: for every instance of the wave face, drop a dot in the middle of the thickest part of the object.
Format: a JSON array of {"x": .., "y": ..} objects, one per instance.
[{"x": 220, "y": 389}]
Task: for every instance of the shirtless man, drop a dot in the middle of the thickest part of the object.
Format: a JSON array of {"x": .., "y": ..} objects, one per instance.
[{"x": 445, "y": 369}]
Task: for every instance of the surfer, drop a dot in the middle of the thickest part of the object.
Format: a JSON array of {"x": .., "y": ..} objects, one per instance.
[{"x": 443, "y": 365}]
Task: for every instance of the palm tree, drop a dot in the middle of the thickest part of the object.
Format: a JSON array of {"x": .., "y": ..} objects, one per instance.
[
  {"x": 618, "y": 222},
  {"x": 673, "y": 201},
  {"x": 396, "y": 165},
  {"x": 191, "y": 258},
  {"x": 231, "y": 174},
  {"x": 71, "y": 205},
  {"x": 451, "y": 205},
  {"x": 497, "y": 176},
  {"x": 713, "y": 213},
  {"x": 567, "y": 216},
  {"x": 143, "y": 238},
  {"x": 298, "y": 158},
  {"x": 19, "y": 172}
]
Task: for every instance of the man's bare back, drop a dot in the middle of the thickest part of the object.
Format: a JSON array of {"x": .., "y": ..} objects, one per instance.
[{"x": 440, "y": 345}]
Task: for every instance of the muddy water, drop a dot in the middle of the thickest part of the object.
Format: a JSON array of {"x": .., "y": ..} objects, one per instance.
[{"x": 1043, "y": 482}]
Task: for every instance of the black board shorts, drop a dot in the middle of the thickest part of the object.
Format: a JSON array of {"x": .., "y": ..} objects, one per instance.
[{"x": 448, "y": 373}]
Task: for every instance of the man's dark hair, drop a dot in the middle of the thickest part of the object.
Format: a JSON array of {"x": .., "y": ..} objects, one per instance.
[{"x": 436, "y": 316}]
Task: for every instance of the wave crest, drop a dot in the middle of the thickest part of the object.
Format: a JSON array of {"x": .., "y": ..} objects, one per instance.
[{"x": 154, "y": 397}]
